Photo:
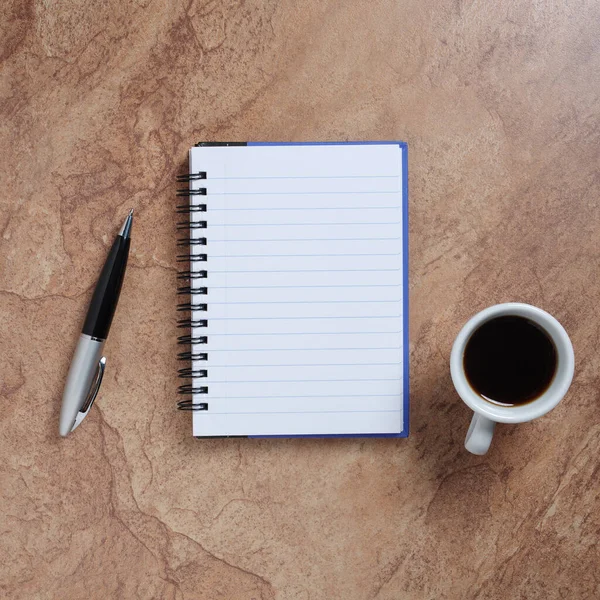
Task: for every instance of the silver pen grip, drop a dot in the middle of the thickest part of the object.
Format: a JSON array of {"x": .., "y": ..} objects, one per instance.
[{"x": 82, "y": 374}]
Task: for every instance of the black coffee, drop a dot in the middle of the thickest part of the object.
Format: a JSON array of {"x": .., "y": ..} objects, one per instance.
[{"x": 510, "y": 361}]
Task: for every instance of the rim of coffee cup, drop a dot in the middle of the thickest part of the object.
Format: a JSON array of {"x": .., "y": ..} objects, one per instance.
[{"x": 535, "y": 408}]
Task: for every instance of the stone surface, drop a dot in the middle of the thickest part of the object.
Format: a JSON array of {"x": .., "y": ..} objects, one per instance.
[{"x": 99, "y": 102}]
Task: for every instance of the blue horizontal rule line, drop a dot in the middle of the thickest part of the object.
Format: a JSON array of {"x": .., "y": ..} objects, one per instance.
[
  {"x": 314, "y": 333},
  {"x": 300, "y": 412},
  {"x": 309, "y": 271},
  {"x": 251, "y": 381},
  {"x": 324, "y": 193},
  {"x": 385, "y": 239},
  {"x": 365, "y": 365},
  {"x": 294, "y": 255},
  {"x": 297, "y": 224},
  {"x": 304, "y": 208},
  {"x": 306, "y": 177},
  {"x": 266, "y": 287},
  {"x": 302, "y": 318},
  {"x": 313, "y": 302},
  {"x": 328, "y": 396},
  {"x": 294, "y": 349}
]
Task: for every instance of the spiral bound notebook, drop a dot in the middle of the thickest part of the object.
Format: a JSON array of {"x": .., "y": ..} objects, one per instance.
[{"x": 296, "y": 291}]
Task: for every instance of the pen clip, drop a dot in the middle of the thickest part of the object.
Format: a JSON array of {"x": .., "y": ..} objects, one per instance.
[{"x": 94, "y": 388}]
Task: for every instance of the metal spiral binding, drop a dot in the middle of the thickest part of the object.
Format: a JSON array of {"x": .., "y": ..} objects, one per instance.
[
  {"x": 186, "y": 192},
  {"x": 190, "y": 339},
  {"x": 192, "y": 356},
  {"x": 184, "y": 209},
  {"x": 189, "y": 372},
  {"x": 192, "y": 275},
  {"x": 187, "y": 277},
  {"x": 191, "y": 242},
  {"x": 190, "y": 306},
  {"x": 187, "y": 323},
  {"x": 190, "y": 389},
  {"x": 191, "y": 177},
  {"x": 191, "y": 225},
  {"x": 191, "y": 259},
  {"x": 188, "y": 290},
  {"x": 190, "y": 405}
]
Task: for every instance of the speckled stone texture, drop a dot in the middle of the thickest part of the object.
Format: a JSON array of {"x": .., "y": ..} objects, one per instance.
[{"x": 99, "y": 103}]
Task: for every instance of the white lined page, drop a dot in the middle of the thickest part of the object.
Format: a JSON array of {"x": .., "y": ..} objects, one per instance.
[{"x": 304, "y": 276}]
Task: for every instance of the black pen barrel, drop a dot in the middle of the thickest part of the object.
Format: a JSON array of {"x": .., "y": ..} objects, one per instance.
[{"x": 106, "y": 295}]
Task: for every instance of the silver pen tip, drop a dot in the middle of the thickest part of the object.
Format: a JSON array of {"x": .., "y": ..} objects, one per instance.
[{"x": 125, "y": 230}]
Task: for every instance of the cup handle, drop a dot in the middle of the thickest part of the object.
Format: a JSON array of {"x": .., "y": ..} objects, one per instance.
[{"x": 479, "y": 436}]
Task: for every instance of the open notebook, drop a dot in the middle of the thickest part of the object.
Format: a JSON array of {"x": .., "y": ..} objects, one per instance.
[{"x": 298, "y": 304}]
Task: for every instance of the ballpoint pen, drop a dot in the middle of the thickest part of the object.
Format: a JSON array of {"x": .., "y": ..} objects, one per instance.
[{"x": 87, "y": 368}]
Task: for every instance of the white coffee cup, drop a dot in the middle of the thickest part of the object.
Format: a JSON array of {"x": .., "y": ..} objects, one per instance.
[{"x": 487, "y": 414}]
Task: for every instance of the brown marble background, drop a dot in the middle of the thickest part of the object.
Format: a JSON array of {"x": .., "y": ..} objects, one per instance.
[{"x": 99, "y": 102}]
